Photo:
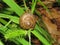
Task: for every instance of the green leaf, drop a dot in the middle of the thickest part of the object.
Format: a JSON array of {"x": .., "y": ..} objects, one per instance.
[
  {"x": 2, "y": 30},
  {"x": 40, "y": 37},
  {"x": 12, "y": 18},
  {"x": 58, "y": 2},
  {"x": 17, "y": 9},
  {"x": 1, "y": 43},
  {"x": 13, "y": 33},
  {"x": 33, "y": 6},
  {"x": 4, "y": 22},
  {"x": 7, "y": 11},
  {"x": 43, "y": 32},
  {"x": 22, "y": 41}
]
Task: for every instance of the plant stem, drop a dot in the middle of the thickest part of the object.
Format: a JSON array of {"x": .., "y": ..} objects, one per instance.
[
  {"x": 32, "y": 1},
  {"x": 7, "y": 24},
  {"x": 33, "y": 6},
  {"x": 29, "y": 35},
  {"x": 25, "y": 5}
]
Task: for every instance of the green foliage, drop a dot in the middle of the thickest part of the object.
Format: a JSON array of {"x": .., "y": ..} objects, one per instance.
[
  {"x": 12, "y": 18},
  {"x": 1, "y": 43},
  {"x": 58, "y": 2},
  {"x": 14, "y": 7},
  {"x": 40, "y": 37},
  {"x": 11, "y": 30},
  {"x": 14, "y": 33},
  {"x": 33, "y": 6}
]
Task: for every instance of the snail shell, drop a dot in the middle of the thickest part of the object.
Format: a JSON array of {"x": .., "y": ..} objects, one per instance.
[{"x": 27, "y": 21}]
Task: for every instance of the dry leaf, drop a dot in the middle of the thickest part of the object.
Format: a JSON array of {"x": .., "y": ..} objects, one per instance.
[{"x": 52, "y": 28}]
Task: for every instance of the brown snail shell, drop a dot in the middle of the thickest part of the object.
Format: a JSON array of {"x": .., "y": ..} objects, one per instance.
[{"x": 27, "y": 21}]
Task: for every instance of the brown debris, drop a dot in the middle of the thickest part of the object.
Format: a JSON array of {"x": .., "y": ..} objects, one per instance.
[
  {"x": 36, "y": 42},
  {"x": 51, "y": 15},
  {"x": 1, "y": 6},
  {"x": 52, "y": 28},
  {"x": 52, "y": 22},
  {"x": 48, "y": 3}
]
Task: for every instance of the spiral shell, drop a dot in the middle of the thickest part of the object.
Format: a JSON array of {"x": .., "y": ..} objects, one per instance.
[{"x": 27, "y": 21}]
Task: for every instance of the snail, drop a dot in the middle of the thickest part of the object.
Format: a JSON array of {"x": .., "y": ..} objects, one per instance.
[{"x": 27, "y": 21}]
